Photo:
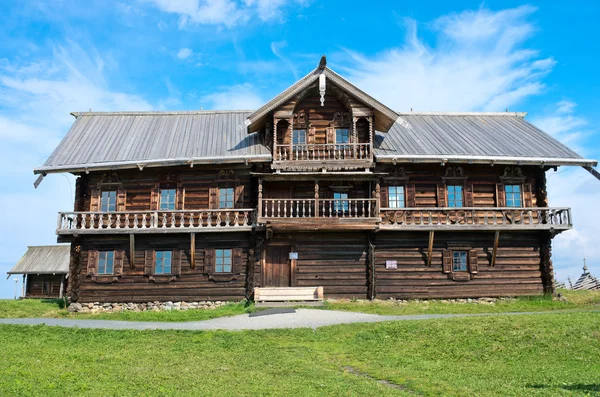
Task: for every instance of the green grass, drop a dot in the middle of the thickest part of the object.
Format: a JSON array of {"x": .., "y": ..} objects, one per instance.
[
  {"x": 575, "y": 300},
  {"x": 553, "y": 354},
  {"x": 52, "y": 308}
]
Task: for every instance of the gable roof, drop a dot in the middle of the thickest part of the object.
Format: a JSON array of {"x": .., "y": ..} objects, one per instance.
[
  {"x": 383, "y": 114},
  {"x": 44, "y": 259},
  {"x": 471, "y": 137},
  {"x": 587, "y": 281},
  {"x": 111, "y": 140}
]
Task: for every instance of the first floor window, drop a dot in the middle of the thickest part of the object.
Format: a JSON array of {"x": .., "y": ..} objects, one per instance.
[
  {"x": 459, "y": 261},
  {"x": 167, "y": 199},
  {"x": 223, "y": 261},
  {"x": 226, "y": 197},
  {"x": 342, "y": 135},
  {"x": 455, "y": 196},
  {"x": 340, "y": 203},
  {"x": 298, "y": 138},
  {"x": 513, "y": 195},
  {"x": 162, "y": 264},
  {"x": 396, "y": 197},
  {"x": 108, "y": 201},
  {"x": 106, "y": 261}
]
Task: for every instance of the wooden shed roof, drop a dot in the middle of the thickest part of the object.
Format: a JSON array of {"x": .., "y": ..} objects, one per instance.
[{"x": 45, "y": 259}]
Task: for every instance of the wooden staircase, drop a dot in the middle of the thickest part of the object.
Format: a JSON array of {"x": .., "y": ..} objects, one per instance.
[{"x": 288, "y": 296}]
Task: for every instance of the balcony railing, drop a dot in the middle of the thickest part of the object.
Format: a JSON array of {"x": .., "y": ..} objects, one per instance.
[
  {"x": 155, "y": 221},
  {"x": 324, "y": 152},
  {"x": 476, "y": 218},
  {"x": 323, "y": 208}
]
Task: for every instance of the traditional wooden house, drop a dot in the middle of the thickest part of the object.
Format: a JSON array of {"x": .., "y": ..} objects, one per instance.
[
  {"x": 45, "y": 270},
  {"x": 323, "y": 186}
]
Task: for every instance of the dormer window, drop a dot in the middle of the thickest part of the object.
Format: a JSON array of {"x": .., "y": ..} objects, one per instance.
[
  {"x": 298, "y": 138},
  {"x": 342, "y": 135}
]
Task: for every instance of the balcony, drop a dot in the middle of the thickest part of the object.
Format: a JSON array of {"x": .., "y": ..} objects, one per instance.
[
  {"x": 317, "y": 156},
  {"x": 183, "y": 221},
  {"x": 478, "y": 218},
  {"x": 321, "y": 214}
]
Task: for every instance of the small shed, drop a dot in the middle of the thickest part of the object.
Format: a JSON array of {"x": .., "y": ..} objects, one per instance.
[{"x": 45, "y": 271}]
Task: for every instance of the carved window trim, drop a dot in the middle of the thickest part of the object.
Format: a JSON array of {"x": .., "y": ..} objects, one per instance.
[{"x": 448, "y": 264}]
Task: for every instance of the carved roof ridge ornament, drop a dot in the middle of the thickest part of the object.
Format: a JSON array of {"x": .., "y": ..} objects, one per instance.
[{"x": 322, "y": 87}]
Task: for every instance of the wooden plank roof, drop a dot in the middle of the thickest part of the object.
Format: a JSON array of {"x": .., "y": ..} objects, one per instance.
[{"x": 45, "y": 259}]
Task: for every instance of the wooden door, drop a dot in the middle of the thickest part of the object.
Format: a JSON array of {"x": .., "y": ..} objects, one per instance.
[{"x": 277, "y": 270}]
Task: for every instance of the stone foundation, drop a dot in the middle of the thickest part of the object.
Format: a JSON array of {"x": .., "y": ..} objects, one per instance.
[{"x": 155, "y": 306}]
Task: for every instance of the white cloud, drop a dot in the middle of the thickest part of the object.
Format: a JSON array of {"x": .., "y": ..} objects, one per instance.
[
  {"x": 238, "y": 97},
  {"x": 477, "y": 63},
  {"x": 35, "y": 101},
  {"x": 184, "y": 53},
  {"x": 223, "y": 12}
]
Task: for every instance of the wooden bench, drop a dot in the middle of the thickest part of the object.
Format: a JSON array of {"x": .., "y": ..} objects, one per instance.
[{"x": 296, "y": 295}]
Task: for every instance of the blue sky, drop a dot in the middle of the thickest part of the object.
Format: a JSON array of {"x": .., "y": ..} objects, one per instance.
[{"x": 57, "y": 57}]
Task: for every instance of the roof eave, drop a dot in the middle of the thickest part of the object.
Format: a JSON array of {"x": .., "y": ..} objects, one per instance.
[
  {"x": 151, "y": 163},
  {"x": 547, "y": 161}
]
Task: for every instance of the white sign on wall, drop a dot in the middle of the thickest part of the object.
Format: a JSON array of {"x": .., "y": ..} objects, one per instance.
[
  {"x": 293, "y": 255},
  {"x": 391, "y": 265}
]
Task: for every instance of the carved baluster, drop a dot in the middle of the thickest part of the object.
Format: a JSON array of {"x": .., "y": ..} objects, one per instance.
[{"x": 236, "y": 218}]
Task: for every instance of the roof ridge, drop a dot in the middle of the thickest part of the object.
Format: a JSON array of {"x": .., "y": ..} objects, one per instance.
[
  {"x": 48, "y": 245},
  {"x": 504, "y": 114},
  {"x": 157, "y": 112}
]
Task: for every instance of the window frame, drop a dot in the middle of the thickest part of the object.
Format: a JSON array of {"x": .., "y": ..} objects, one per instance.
[
  {"x": 462, "y": 195},
  {"x": 220, "y": 255},
  {"x": 103, "y": 258},
  {"x": 512, "y": 195},
  {"x": 112, "y": 201},
  {"x": 299, "y": 133},
  {"x": 462, "y": 254},
  {"x": 162, "y": 255},
  {"x": 389, "y": 200},
  {"x": 226, "y": 190},
  {"x": 341, "y": 204},
  {"x": 160, "y": 198},
  {"x": 345, "y": 133}
]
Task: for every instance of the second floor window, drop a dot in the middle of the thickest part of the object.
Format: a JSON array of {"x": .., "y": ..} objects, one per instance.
[
  {"x": 455, "y": 196},
  {"x": 342, "y": 135},
  {"x": 162, "y": 263},
  {"x": 459, "y": 261},
  {"x": 513, "y": 195},
  {"x": 396, "y": 197},
  {"x": 108, "y": 201},
  {"x": 167, "y": 199},
  {"x": 340, "y": 203},
  {"x": 299, "y": 137},
  {"x": 226, "y": 196},
  {"x": 106, "y": 261},
  {"x": 223, "y": 261}
]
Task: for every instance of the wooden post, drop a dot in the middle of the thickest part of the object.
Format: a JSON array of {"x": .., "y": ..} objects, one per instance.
[
  {"x": 132, "y": 251},
  {"x": 316, "y": 198},
  {"x": 62, "y": 284},
  {"x": 275, "y": 139},
  {"x": 377, "y": 198},
  {"x": 23, "y": 286},
  {"x": 430, "y": 248},
  {"x": 495, "y": 251},
  {"x": 260, "y": 198},
  {"x": 372, "y": 289},
  {"x": 193, "y": 250}
]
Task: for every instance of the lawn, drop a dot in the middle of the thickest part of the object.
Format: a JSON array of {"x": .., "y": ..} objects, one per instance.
[
  {"x": 575, "y": 300},
  {"x": 552, "y": 354}
]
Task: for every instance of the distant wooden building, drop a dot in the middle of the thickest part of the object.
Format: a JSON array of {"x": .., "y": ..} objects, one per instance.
[
  {"x": 323, "y": 186},
  {"x": 586, "y": 281},
  {"x": 45, "y": 271}
]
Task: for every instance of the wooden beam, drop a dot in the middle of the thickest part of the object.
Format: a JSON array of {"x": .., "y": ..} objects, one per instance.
[
  {"x": 496, "y": 241},
  {"x": 132, "y": 251},
  {"x": 193, "y": 250},
  {"x": 430, "y": 248}
]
